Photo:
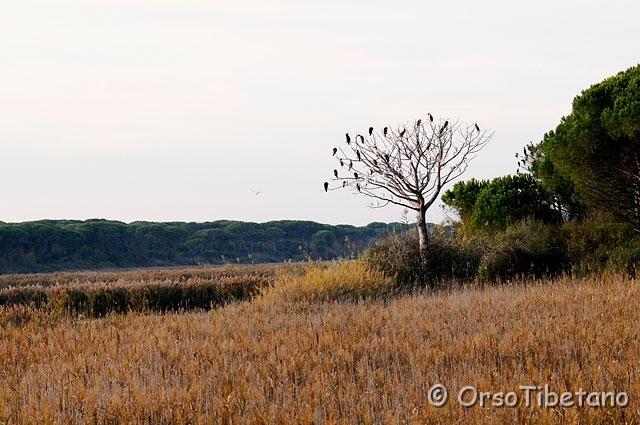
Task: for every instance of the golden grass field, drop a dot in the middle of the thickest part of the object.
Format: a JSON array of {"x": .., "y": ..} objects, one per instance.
[{"x": 283, "y": 358}]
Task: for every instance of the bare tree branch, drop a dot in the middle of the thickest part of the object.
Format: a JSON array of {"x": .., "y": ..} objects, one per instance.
[
  {"x": 408, "y": 165},
  {"x": 411, "y": 164}
]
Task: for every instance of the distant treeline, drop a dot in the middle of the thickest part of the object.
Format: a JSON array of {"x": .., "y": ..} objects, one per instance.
[{"x": 53, "y": 245}]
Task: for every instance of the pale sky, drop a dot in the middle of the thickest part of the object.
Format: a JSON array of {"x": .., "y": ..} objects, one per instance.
[{"x": 179, "y": 110}]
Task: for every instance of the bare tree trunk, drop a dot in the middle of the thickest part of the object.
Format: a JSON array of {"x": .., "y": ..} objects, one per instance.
[{"x": 423, "y": 238}]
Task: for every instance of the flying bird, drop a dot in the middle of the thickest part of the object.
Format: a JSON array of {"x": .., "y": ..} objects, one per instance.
[
  {"x": 335, "y": 173},
  {"x": 386, "y": 129},
  {"x": 348, "y": 138},
  {"x": 335, "y": 151},
  {"x": 326, "y": 186},
  {"x": 430, "y": 117},
  {"x": 359, "y": 157},
  {"x": 370, "y": 131},
  {"x": 477, "y": 128}
]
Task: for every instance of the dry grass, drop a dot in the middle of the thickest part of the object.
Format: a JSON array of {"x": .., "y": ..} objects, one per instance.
[
  {"x": 336, "y": 281},
  {"x": 348, "y": 362}
]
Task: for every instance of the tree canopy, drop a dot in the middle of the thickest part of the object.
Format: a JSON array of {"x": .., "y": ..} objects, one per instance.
[
  {"x": 51, "y": 245},
  {"x": 495, "y": 204},
  {"x": 592, "y": 159}
]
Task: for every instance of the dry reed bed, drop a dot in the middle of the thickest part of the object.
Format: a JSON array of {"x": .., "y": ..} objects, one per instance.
[
  {"x": 137, "y": 275},
  {"x": 338, "y": 362},
  {"x": 97, "y": 294}
]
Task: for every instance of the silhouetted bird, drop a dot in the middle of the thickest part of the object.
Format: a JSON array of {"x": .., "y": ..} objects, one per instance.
[
  {"x": 375, "y": 162},
  {"x": 477, "y": 128},
  {"x": 355, "y": 175},
  {"x": 335, "y": 151},
  {"x": 348, "y": 138},
  {"x": 370, "y": 131},
  {"x": 446, "y": 123},
  {"x": 350, "y": 165},
  {"x": 418, "y": 122},
  {"x": 430, "y": 117},
  {"x": 344, "y": 183},
  {"x": 386, "y": 129},
  {"x": 326, "y": 186},
  {"x": 358, "y": 187},
  {"x": 402, "y": 133},
  {"x": 386, "y": 157},
  {"x": 341, "y": 163},
  {"x": 335, "y": 173},
  {"x": 361, "y": 138},
  {"x": 358, "y": 154},
  {"x": 525, "y": 151}
]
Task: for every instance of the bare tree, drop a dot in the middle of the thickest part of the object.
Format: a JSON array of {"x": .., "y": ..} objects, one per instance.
[{"x": 409, "y": 165}]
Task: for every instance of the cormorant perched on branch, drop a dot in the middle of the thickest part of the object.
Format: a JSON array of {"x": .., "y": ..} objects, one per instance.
[
  {"x": 335, "y": 173},
  {"x": 358, "y": 187},
  {"x": 418, "y": 122},
  {"x": 370, "y": 131},
  {"x": 341, "y": 163},
  {"x": 348, "y": 138},
  {"x": 386, "y": 129},
  {"x": 402, "y": 132},
  {"x": 446, "y": 123},
  {"x": 335, "y": 151},
  {"x": 386, "y": 157},
  {"x": 326, "y": 186},
  {"x": 430, "y": 117},
  {"x": 477, "y": 128},
  {"x": 358, "y": 154},
  {"x": 344, "y": 183},
  {"x": 350, "y": 165},
  {"x": 375, "y": 163},
  {"x": 355, "y": 175},
  {"x": 361, "y": 138}
]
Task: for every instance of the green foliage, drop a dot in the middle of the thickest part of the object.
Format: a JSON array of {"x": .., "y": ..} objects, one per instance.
[
  {"x": 50, "y": 245},
  {"x": 528, "y": 248},
  {"x": 462, "y": 197},
  {"x": 598, "y": 243},
  {"x": 503, "y": 201},
  {"x": 592, "y": 159},
  {"x": 509, "y": 199},
  {"x": 451, "y": 257}
]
